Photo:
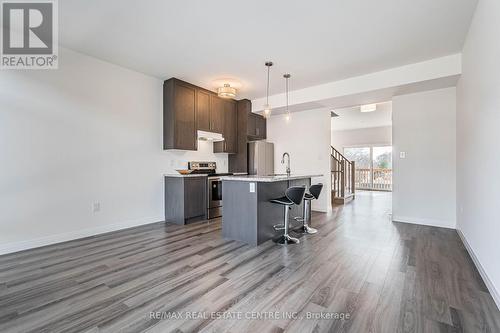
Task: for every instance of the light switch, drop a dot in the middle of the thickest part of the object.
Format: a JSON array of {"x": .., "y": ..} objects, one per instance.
[
  {"x": 252, "y": 187},
  {"x": 402, "y": 154}
]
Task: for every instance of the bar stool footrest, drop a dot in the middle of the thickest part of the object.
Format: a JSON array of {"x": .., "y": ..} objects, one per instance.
[
  {"x": 308, "y": 230},
  {"x": 285, "y": 239}
]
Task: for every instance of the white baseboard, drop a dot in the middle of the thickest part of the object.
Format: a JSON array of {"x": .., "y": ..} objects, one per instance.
[
  {"x": 428, "y": 222},
  {"x": 491, "y": 287},
  {"x": 64, "y": 237}
]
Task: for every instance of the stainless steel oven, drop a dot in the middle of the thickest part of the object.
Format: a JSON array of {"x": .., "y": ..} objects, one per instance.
[
  {"x": 214, "y": 197},
  {"x": 214, "y": 186}
]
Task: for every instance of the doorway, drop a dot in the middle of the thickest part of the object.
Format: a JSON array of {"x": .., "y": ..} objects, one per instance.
[{"x": 373, "y": 166}]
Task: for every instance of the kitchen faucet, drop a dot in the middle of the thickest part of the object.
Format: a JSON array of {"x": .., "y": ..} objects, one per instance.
[{"x": 287, "y": 164}]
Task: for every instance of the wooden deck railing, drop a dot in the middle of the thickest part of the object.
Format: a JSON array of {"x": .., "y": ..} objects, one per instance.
[
  {"x": 342, "y": 176},
  {"x": 382, "y": 179}
]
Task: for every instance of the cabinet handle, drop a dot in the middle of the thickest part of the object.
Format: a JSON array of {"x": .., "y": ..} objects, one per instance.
[{"x": 225, "y": 145}]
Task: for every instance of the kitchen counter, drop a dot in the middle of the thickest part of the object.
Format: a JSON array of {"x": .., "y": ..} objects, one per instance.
[
  {"x": 178, "y": 175},
  {"x": 248, "y": 216},
  {"x": 274, "y": 178}
]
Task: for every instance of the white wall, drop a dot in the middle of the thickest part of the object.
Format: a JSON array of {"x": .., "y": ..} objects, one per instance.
[
  {"x": 478, "y": 130},
  {"x": 362, "y": 137},
  {"x": 306, "y": 137},
  {"x": 424, "y": 183},
  {"x": 90, "y": 131}
]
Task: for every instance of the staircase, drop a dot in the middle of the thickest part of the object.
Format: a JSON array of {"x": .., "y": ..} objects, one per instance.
[{"x": 342, "y": 177}]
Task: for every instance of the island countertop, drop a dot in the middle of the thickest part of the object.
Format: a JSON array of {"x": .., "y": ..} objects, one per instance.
[{"x": 269, "y": 179}]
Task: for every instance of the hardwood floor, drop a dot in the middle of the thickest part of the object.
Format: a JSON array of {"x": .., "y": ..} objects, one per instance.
[{"x": 381, "y": 276}]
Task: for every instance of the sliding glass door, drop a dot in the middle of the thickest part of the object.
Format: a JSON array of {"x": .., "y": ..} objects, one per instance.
[
  {"x": 382, "y": 168},
  {"x": 373, "y": 167},
  {"x": 362, "y": 159}
]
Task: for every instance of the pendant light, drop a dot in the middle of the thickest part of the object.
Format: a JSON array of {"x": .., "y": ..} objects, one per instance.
[
  {"x": 267, "y": 107},
  {"x": 287, "y": 114}
]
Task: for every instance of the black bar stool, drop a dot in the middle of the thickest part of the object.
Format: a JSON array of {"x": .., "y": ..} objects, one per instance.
[
  {"x": 293, "y": 196},
  {"x": 314, "y": 192}
]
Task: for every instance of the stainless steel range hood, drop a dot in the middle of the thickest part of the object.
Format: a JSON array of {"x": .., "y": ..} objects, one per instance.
[{"x": 210, "y": 136}]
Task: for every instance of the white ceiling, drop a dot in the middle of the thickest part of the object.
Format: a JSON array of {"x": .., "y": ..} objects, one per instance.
[
  {"x": 316, "y": 41},
  {"x": 353, "y": 118}
]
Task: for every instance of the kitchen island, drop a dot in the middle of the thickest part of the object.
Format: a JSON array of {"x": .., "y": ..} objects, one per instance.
[{"x": 248, "y": 215}]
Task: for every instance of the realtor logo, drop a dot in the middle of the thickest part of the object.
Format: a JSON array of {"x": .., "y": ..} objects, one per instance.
[{"x": 29, "y": 34}]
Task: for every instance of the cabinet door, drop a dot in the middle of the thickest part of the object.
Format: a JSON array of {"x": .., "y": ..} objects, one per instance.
[
  {"x": 203, "y": 110},
  {"x": 251, "y": 125},
  {"x": 216, "y": 114},
  {"x": 238, "y": 162},
  {"x": 260, "y": 128},
  {"x": 230, "y": 127},
  {"x": 195, "y": 200},
  {"x": 185, "y": 137}
]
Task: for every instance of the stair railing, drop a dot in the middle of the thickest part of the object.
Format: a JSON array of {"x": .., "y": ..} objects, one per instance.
[{"x": 342, "y": 175}]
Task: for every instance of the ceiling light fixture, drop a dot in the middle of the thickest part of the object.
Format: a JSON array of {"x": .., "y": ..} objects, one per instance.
[
  {"x": 267, "y": 107},
  {"x": 368, "y": 108},
  {"x": 287, "y": 114},
  {"x": 226, "y": 91}
]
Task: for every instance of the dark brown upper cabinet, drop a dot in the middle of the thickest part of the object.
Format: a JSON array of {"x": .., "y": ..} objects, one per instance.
[
  {"x": 251, "y": 124},
  {"x": 238, "y": 161},
  {"x": 256, "y": 127},
  {"x": 209, "y": 111},
  {"x": 203, "y": 110},
  {"x": 179, "y": 115},
  {"x": 231, "y": 126},
  {"x": 216, "y": 114},
  {"x": 260, "y": 128},
  {"x": 188, "y": 108},
  {"x": 230, "y": 130}
]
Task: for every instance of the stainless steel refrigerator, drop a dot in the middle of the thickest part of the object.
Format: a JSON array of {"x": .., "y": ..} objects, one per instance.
[{"x": 260, "y": 158}]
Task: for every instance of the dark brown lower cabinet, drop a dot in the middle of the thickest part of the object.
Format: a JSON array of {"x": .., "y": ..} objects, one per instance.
[{"x": 185, "y": 199}]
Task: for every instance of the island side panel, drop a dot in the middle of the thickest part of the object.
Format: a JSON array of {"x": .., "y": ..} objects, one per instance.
[
  {"x": 239, "y": 212},
  {"x": 269, "y": 214}
]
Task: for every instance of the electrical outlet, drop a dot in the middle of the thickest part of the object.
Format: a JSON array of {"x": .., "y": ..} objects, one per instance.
[
  {"x": 96, "y": 207},
  {"x": 402, "y": 154},
  {"x": 252, "y": 187}
]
